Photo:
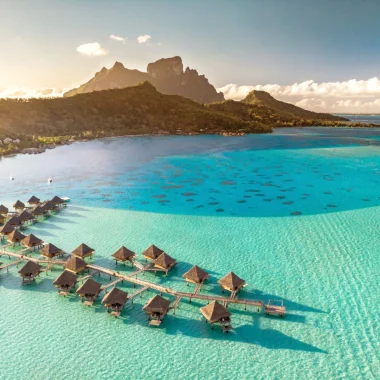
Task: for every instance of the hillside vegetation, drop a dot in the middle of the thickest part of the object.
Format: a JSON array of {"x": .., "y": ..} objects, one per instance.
[
  {"x": 129, "y": 111},
  {"x": 142, "y": 110},
  {"x": 261, "y": 107}
]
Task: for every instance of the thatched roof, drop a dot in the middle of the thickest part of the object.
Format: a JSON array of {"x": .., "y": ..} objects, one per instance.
[
  {"x": 123, "y": 254},
  {"x": 157, "y": 304},
  {"x": 89, "y": 288},
  {"x": 65, "y": 279},
  {"x": 214, "y": 311},
  {"x": 47, "y": 206},
  {"x": 3, "y": 210},
  {"x": 83, "y": 251},
  {"x": 31, "y": 241},
  {"x": 164, "y": 261},
  {"x": 15, "y": 221},
  {"x": 196, "y": 274},
  {"x": 18, "y": 205},
  {"x": 152, "y": 252},
  {"x": 57, "y": 200},
  {"x": 115, "y": 297},
  {"x": 6, "y": 229},
  {"x": 30, "y": 269},
  {"x": 50, "y": 250},
  {"x": 33, "y": 200},
  {"x": 15, "y": 236},
  {"x": 231, "y": 282},
  {"x": 75, "y": 264},
  {"x": 37, "y": 211},
  {"x": 26, "y": 215}
]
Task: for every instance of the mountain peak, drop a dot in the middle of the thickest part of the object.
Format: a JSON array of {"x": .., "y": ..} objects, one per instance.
[
  {"x": 165, "y": 74},
  {"x": 265, "y": 100},
  {"x": 256, "y": 96},
  {"x": 118, "y": 65}
]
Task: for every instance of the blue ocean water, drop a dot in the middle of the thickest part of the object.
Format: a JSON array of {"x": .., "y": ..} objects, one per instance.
[
  {"x": 363, "y": 118},
  {"x": 295, "y": 213}
]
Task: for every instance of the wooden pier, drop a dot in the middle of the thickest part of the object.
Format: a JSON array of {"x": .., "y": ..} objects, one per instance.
[
  {"x": 113, "y": 283},
  {"x": 138, "y": 292},
  {"x": 132, "y": 278},
  {"x": 167, "y": 290}
]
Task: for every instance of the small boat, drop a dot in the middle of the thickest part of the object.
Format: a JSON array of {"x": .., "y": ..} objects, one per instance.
[
  {"x": 66, "y": 199},
  {"x": 50, "y": 180},
  {"x": 11, "y": 178}
]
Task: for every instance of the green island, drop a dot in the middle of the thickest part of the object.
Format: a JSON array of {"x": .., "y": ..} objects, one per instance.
[{"x": 33, "y": 125}]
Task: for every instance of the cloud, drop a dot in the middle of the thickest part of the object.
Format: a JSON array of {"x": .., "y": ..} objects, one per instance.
[
  {"x": 144, "y": 39},
  {"x": 325, "y": 96},
  {"x": 350, "y": 88},
  {"x": 118, "y": 38},
  {"x": 16, "y": 92},
  {"x": 92, "y": 49}
]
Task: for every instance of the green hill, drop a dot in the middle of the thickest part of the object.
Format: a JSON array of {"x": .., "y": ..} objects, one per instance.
[
  {"x": 128, "y": 111},
  {"x": 142, "y": 110},
  {"x": 261, "y": 107},
  {"x": 262, "y": 99}
]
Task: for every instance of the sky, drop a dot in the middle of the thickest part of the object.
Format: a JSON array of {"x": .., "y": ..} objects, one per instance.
[{"x": 322, "y": 55}]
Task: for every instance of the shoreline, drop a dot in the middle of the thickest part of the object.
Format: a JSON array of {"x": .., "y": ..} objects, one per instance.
[{"x": 44, "y": 148}]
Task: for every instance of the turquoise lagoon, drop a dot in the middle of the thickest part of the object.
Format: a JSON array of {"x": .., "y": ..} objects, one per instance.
[{"x": 296, "y": 214}]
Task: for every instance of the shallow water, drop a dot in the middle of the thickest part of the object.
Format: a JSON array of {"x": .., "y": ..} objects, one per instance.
[{"x": 296, "y": 214}]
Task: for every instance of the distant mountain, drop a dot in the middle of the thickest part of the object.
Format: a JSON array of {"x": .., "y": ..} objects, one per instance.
[
  {"x": 261, "y": 107},
  {"x": 166, "y": 74},
  {"x": 264, "y": 99}
]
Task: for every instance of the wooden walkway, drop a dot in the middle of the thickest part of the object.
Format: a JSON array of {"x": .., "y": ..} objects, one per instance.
[
  {"x": 22, "y": 255},
  {"x": 166, "y": 290},
  {"x": 10, "y": 264},
  {"x": 105, "y": 287},
  {"x": 175, "y": 304},
  {"x": 83, "y": 278},
  {"x": 136, "y": 293},
  {"x": 233, "y": 294},
  {"x": 132, "y": 278}
]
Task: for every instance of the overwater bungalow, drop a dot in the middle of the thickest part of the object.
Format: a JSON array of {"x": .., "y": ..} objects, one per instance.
[
  {"x": 47, "y": 206},
  {"x": 18, "y": 205},
  {"x": 76, "y": 265},
  {"x": 6, "y": 230},
  {"x": 15, "y": 237},
  {"x": 123, "y": 254},
  {"x": 33, "y": 201},
  {"x": 115, "y": 300},
  {"x": 29, "y": 272},
  {"x": 214, "y": 312},
  {"x": 157, "y": 307},
  {"x": 83, "y": 251},
  {"x": 26, "y": 216},
  {"x": 32, "y": 241},
  {"x": 196, "y": 275},
  {"x": 3, "y": 210},
  {"x": 164, "y": 261},
  {"x": 65, "y": 282},
  {"x": 89, "y": 291},
  {"x": 152, "y": 252},
  {"x": 15, "y": 221},
  {"x": 232, "y": 282},
  {"x": 2, "y": 219},
  {"x": 57, "y": 201},
  {"x": 50, "y": 251},
  {"x": 38, "y": 211}
]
